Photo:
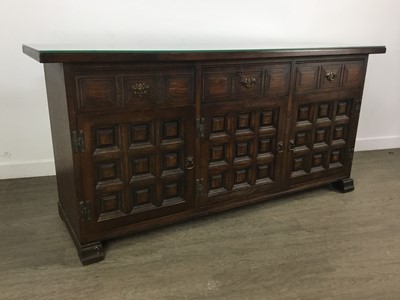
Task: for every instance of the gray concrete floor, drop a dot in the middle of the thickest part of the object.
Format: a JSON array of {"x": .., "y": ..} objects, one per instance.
[{"x": 318, "y": 244}]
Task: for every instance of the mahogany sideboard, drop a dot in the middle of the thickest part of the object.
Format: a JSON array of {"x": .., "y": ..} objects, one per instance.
[{"x": 147, "y": 138}]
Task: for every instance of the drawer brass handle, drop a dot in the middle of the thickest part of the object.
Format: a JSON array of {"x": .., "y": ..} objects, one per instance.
[
  {"x": 330, "y": 76},
  {"x": 189, "y": 163},
  {"x": 279, "y": 147},
  {"x": 141, "y": 88},
  {"x": 291, "y": 145},
  {"x": 248, "y": 81}
]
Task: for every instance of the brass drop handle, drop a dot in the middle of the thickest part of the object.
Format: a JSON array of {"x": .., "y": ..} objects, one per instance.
[
  {"x": 141, "y": 88},
  {"x": 189, "y": 163},
  {"x": 248, "y": 81},
  {"x": 291, "y": 145},
  {"x": 330, "y": 76},
  {"x": 279, "y": 147}
]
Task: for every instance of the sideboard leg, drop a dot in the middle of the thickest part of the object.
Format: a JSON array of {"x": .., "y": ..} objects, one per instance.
[
  {"x": 344, "y": 185},
  {"x": 91, "y": 253}
]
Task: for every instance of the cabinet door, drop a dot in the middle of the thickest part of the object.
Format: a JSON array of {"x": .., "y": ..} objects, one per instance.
[
  {"x": 240, "y": 150},
  {"x": 133, "y": 166},
  {"x": 244, "y": 109},
  {"x": 321, "y": 136}
]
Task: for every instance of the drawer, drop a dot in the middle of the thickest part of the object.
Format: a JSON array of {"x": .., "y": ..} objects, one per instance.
[
  {"x": 134, "y": 89},
  {"x": 326, "y": 76},
  {"x": 245, "y": 82}
]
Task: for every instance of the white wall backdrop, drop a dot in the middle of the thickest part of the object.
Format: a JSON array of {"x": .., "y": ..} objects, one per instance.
[{"x": 25, "y": 141}]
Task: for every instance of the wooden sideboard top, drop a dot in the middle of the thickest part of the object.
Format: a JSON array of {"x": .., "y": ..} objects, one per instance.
[{"x": 71, "y": 53}]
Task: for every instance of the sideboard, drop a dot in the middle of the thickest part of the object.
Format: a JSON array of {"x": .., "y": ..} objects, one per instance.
[{"x": 148, "y": 138}]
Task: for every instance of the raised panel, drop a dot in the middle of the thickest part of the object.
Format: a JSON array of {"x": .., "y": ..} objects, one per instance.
[
  {"x": 241, "y": 178},
  {"x": 244, "y": 123},
  {"x": 172, "y": 131},
  {"x": 339, "y": 132},
  {"x": 248, "y": 84},
  {"x": 143, "y": 198},
  {"x": 106, "y": 138},
  {"x": 277, "y": 80},
  {"x": 96, "y": 93},
  {"x": 335, "y": 71},
  {"x": 217, "y": 86},
  {"x": 217, "y": 183},
  {"x": 319, "y": 161},
  {"x": 172, "y": 192},
  {"x": 141, "y": 90},
  {"x": 322, "y": 136},
  {"x": 108, "y": 173},
  {"x": 265, "y": 145},
  {"x": 143, "y": 167},
  {"x": 171, "y": 161},
  {"x": 179, "y": 90},
  {"x": 299, "y": 165},
  {"x": 142, "y": 135},
  {"x": 305, "y": 114},
  {"x": 337, "y": 158},
  {"x": 353, "y": 74},
  {"x": 264, "y": 173},
  {"x": 110, "y": 205},
  {"x": 324, "y": 112},
  {"x": 243, "y": 150},
  {"x": 218, "y": 125},
  {"x": 218, "y": 154},
  {"x": 343, "y": 109},
  {"x": 303, "y": 140},
  {"x": 306, "y": 78},
  {"x": 268, "y": 120}
]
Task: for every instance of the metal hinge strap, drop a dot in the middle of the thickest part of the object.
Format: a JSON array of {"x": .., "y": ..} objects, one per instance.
[
  {"x": 78, "y": 141},
  {"x": 199, "y": 187},
  {"x": 200, "y": 127},
  {"x": 351, "y": 154},
  {"x": 85, "y": 210}
]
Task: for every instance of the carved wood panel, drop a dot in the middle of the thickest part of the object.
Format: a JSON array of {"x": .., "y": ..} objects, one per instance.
[
  {"x": 133, "y": 88},
  {"x": 255, "y": 81},
  {"x": 329, "y": 76},
  {"x": 239, "y": 151},
  {"x": 135, "y": 164},
  {"x": 319, "y": 138}
]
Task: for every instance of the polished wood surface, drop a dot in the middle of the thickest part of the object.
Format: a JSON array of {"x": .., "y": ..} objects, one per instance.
[
  {"x": 70, "y": 53},
  {"x": 141, "y": 144},
  {"x": 318, "y": 244}
]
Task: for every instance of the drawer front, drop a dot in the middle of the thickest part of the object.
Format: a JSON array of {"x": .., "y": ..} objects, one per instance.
[
  {"x": 225, "y": 83},
  {"x": 328, "y": 76},
  {"x": 134, "y": 89}
]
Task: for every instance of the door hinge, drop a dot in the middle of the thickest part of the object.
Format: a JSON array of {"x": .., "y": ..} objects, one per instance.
[
  {"x": 84, "y": 210},
  {"x": 200, "y": 127},
  {"x": 78, "y": 141},
  {"x": 358, "y": 105},
  {"x": 351, "y": 154},
  {"x": 199, "y": 187}
]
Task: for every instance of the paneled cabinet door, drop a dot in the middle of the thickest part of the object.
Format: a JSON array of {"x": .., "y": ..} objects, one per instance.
[
  {"x": 240, "y": 150},
  {"x": 243, "y": 110},
  {"x": 137, "y": 166},
  {"x": 321, "y": 136}
]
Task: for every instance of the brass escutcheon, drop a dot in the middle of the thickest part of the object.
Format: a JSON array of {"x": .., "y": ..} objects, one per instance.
[{"x": 330, "y": 76}]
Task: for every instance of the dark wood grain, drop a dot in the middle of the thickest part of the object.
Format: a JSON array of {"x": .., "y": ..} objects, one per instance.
[
  {"x": 172, "y": 135},
  {"x": 48, "y": 55}
]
